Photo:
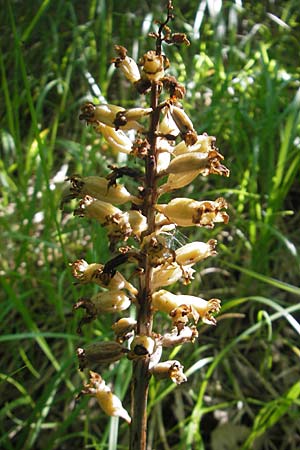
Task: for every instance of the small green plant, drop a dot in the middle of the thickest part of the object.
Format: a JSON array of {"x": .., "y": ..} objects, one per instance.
[{"x": 169, "y": 155}]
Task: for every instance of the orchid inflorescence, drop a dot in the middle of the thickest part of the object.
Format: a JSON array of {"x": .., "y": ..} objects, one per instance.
[{"x": 171, "y": 156}]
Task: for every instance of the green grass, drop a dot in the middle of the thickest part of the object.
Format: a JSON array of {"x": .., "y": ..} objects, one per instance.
[{"x": 242, "y": 77}]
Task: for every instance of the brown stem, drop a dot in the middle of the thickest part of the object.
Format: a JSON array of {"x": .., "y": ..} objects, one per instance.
[{"x": 141, "y": 376}]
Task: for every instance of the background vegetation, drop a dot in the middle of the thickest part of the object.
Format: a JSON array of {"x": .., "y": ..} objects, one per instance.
[{"x": 242, "y": 78}]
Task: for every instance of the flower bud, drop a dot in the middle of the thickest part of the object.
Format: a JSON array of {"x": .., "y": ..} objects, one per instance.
[
  {"x": 126, "y": 64},
  {"x": 170, "y": 369},
  {"x": 108, "y": 402},
  {"x": 100, "y": 353},
  {"x": 100, "y": 188},
  {"x": 195, "y": 251},
  {"x": 96, "y": 209},
  {"x": 187, "y": 212}
]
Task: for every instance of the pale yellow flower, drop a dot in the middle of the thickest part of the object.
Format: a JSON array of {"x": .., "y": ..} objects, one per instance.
[
  {"x": 169, "y": 369},
  {"x": 93, "y": 273},
  {"x": 96, "y": 209},
  {"x": 167, "y": 302},
  {"x": 196, "y": 251},
  {"x": 184, "y": 124},
  {"x": 167, "y": 126},
  {"x": 108, "y": 114},
  {"x": 100, "y": 188},
  {"x": 153, "y": 65},
  {"x": 109, "y": 402},
  {"x": 187, "y": 212},
  {"x": 168, "y": 273},
  {"x": 117, "y": 139},
  {"x": 203, "y": 144},
  {"x": 126, "y": 64},
  {"x": 110, "y": 301}
]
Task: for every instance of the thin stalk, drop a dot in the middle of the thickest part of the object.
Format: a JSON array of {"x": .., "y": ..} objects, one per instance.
[{"x": 141, "y": 376}]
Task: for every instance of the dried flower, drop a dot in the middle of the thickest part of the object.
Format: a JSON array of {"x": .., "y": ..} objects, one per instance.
[
  {"x": 109, "y": 402},
  {"x": 175, "y": 89},
  {"x": 93, "y": 273},
  {"x": 170, "y": 369},
  {"x": 100, "y": 353},
  {"x": 182, "y": 315},
  {"x": 186, "y": 334}
]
